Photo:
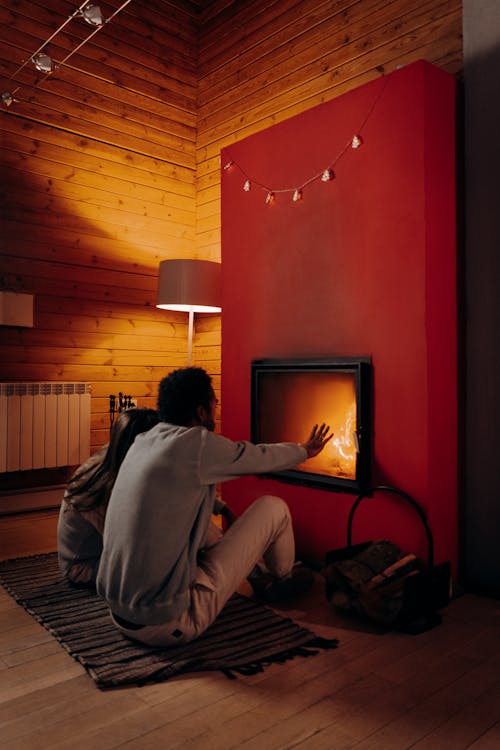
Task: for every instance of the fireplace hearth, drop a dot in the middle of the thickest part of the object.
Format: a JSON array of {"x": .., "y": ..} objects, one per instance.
[{"x": 289, "y": 396}]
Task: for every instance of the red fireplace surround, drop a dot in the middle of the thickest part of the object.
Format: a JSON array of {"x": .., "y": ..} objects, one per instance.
[{"x": 363, "y": 265}]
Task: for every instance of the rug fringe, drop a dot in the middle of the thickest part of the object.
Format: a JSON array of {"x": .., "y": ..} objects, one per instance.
[{"x": 308, "y": 649}]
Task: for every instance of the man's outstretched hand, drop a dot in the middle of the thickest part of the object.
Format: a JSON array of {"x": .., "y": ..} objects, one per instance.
[{"x": 317, "y": 440}]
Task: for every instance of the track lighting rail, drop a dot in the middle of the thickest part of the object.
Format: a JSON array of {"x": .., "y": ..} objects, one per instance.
[{"x": 43, "y": 62}]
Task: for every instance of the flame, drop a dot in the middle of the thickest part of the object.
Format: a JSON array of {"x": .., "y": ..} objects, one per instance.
[{"x": 292, "y": 402}]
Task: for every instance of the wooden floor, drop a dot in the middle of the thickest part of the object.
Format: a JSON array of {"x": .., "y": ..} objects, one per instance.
[{"x": 438, "y": 691}]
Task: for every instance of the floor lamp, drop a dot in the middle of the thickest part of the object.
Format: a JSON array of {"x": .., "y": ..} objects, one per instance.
[{"x": 189, "y": 286}]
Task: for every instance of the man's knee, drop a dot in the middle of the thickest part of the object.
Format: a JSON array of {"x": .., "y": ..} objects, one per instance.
[{"x": 274, "y": 506}]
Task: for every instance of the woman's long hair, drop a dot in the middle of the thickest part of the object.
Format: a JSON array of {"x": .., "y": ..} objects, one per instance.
[{"x": 91, "y": 484}]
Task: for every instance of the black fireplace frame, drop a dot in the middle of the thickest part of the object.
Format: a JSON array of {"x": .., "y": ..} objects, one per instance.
[{"x": 361, "y": 367}]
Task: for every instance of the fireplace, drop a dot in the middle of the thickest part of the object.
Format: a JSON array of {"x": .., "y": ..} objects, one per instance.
[{"x": 289, "y": 396}]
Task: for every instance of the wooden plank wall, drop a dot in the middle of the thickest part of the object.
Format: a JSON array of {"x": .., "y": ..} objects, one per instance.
[
  {"x": 98, "y": 186},
  {"x": 113, "y": 163},
  {"x": 262, "y": 62}
]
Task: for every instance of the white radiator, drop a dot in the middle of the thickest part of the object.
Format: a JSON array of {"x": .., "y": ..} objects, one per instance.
[{"x": 43, "y": 425}]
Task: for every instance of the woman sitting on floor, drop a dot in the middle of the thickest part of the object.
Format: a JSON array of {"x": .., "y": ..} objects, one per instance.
[{"x": 83, "y": 509}]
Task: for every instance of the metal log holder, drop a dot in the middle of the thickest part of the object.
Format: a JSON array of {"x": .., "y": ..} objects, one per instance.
[{"x": 424, "y": 592}]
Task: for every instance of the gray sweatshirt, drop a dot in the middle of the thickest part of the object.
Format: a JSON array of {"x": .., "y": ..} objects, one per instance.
[{"x": 159, "y": 510}]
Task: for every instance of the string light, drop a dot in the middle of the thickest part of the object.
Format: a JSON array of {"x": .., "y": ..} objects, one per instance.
[{"x": 326, "y": 175}]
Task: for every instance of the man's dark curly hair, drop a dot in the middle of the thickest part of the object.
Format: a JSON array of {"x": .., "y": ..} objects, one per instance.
[{"x": 180, "y": 394}]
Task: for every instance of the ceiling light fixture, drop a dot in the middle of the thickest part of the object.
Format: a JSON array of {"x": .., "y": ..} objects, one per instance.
[
  {"x": 92, "y": 14},
  {"x": 43, "y": 62},
  {"x": 7, "y": 98}
]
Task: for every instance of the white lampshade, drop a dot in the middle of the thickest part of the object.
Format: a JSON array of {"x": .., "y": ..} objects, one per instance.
[{"x": 189, "y": 286}]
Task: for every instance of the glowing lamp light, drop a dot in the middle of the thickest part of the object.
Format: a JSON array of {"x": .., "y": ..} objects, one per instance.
[
  {"x": 228, "y": 165},
  {"x": 247, "y": 186},
  {"x": 270, "y": 197},
  {"x": 189, "y": 286},
  {"x": 297, "y": 195},
  {"x": 356, "y": 141}
]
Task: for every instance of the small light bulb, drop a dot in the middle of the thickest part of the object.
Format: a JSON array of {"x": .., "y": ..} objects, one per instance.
[
  {"x": 297, "y": 196},
  {"x": 327, "y": 175},
  {"x": 270, "y": 197},
  {"x": 356, "y": 141},
  {"x": 228, "y": 165},
  {"x": 247, "y": 186}
]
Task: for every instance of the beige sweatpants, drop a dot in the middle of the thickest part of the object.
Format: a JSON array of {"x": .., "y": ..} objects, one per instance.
[{"x": 263, "y": 532}]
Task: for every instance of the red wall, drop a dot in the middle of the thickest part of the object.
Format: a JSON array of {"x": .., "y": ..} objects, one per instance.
[{"x": 363, "y": 265}]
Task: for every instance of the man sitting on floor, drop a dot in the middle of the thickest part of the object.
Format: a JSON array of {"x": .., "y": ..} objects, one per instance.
[{"x": 164, "y": 572}]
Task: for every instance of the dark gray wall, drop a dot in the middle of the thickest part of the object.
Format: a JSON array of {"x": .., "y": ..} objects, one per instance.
[{"x": 481, "y": 302}]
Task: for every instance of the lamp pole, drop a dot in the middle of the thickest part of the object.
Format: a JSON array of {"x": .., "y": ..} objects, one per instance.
[{"x": 190, "y": 337}]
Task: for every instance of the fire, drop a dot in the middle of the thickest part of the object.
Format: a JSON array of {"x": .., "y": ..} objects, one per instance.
[{"x": 295, "y": 401}]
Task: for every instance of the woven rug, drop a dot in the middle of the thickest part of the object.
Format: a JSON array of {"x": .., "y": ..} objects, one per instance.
[{"x": 245, "y": 638}]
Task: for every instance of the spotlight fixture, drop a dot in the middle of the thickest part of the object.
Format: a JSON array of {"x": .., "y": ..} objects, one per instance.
[
  {"x": 247, "y": 186},
  {"x": 356, "y": 141},
  {"x": 7, "y": 98},
  {"x": 43, "y": 63},
  {"x": 92, "y": 14},
  {"x": 270, "y": 197},
  {"x": 297, "y": 195}
]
